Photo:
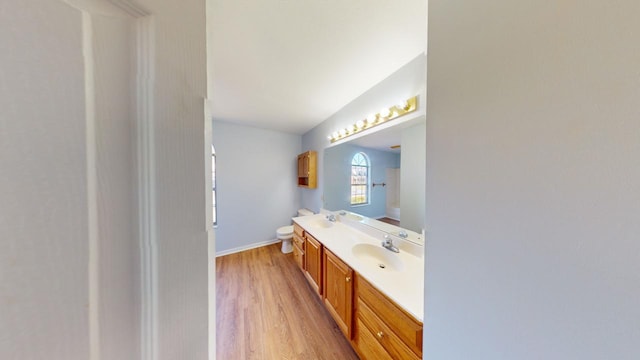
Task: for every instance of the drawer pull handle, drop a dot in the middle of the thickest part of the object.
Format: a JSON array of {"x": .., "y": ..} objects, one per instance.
[
  {"x": 348, "y": 278},
  {"x": 380, "y": 334}
]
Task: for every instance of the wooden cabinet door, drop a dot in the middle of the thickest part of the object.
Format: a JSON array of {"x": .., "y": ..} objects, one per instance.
[
  {"x": 313, "y": 263},
  {"x": 305, "y": 165},
  {"x": 338, "y": 291},
  {"x": 298, "y": 255},
  {"x": 301, "y": 162}
]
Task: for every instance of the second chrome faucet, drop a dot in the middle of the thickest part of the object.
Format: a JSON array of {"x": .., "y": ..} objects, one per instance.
[{"x": 387, "y": 243}]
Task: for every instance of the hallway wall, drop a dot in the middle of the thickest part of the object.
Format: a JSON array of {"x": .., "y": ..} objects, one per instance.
[
  {"x": 43, "y": 187},
  {"x": 533, "y": 166},
  {"x": 70, "y": 234},
  {"x": 71, "y": 278}
]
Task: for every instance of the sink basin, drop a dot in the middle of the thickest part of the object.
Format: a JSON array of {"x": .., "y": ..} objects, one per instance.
[
  {"x": 323, "y": 223},
  {"x": 378, "y": 256}
]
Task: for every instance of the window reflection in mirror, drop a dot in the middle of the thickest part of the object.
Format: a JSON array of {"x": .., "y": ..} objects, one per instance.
[
  {"x": 360, "y": 179},
  {"x": 396, "y": 175}
]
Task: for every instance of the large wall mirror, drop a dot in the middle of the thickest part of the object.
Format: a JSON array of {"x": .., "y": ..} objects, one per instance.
[{"x": 391, "y": 165}]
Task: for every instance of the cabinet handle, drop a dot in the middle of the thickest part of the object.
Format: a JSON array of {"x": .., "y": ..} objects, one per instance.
[
  {"x": 380, "y": 334},
  {"x": 348, "y": 278}
]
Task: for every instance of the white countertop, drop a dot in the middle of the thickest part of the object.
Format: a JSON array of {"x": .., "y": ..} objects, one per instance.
[{"x": 405, "y": 286}]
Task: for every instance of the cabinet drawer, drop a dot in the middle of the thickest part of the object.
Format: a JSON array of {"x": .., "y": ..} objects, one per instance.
[
  {"x": 298, "y": 230},
  {"x": 383, "y": 334},
  {"x": 298, "y": 241},
  {"x": 367, "y": 346},
  {"x": 298, "y": 256},
  {"x": 400, "y": 322}
]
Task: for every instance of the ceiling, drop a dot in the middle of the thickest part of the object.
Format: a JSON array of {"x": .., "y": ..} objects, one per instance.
[{"x": 288, "y": 65}]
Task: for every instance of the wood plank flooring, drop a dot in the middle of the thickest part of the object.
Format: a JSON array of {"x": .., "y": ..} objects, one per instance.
[
  {"x": 267, "y": 310},
  {"x": 390, "y": 221}
]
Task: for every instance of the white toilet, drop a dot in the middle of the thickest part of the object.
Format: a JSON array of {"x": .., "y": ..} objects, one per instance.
[{"x": 285, "y": 233}]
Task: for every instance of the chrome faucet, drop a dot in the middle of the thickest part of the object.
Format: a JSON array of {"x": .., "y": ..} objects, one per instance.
[
  {"x": 387, "y": 243},
  {"x": 331, "y": 218},
  {"x": 403, "y": 234}
]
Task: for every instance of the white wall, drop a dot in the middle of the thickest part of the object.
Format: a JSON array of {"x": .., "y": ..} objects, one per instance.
[
  {"x": 412, "y": 178},
  {"x": 116, "y": 245},
  {"x": 180, "y": 90},
  {"x": 43, "y": 187},
  {"x": 70, "y": 280},
  {"x": 408, "y": 81},
  {"x": 533, "y": 166},
  {"x": 256, "y": 184}
]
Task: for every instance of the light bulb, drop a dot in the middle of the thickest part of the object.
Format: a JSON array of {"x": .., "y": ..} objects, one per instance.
[
  {"x": 359, "y": 124},
  {"x": 371, "y": 118},
  {"x": 335, "y": 134},
  {"x": 343, "y": 132},
  {"x": 384, "y": 113},
  {"x": 402, "y": 105},
  {"x": 329, "y": 137}
]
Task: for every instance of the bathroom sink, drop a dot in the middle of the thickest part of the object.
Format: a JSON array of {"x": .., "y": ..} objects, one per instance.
[
  {"x": 378, "y": 256},
  {"x": 323, "y": 223}
]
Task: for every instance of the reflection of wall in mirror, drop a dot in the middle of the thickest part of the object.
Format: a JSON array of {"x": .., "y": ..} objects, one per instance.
[
  {"x": 413, "y": 177},
  {"x": 393, "y": 193}
]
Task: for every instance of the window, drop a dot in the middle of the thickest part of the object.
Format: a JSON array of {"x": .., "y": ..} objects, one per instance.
[
  {"x": 213, "y": 184},
  {"x": 359, "y": 179}
]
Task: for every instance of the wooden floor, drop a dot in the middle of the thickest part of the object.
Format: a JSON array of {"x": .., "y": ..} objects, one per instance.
[
  {"x": 390, "y": 221},
  {"x": 265, "y": 309}
]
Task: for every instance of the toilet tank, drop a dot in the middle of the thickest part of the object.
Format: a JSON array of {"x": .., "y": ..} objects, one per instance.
[{"x": 304, "y": 212}]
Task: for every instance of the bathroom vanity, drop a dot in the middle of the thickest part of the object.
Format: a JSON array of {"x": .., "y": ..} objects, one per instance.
[{"x": 374, "y": 295}]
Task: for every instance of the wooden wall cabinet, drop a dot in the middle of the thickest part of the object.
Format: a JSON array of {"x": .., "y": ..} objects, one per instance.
[
  {"x": 313, "y": 262},
  {"x": 307, "y": 170},
  {"x": 338, "y": 291}
]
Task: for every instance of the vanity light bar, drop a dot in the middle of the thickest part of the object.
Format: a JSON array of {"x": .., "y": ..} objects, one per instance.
[{"x": 385, "y": 115}]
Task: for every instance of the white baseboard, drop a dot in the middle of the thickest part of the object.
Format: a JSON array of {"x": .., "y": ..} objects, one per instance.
[{"x": 247, "y": 247}]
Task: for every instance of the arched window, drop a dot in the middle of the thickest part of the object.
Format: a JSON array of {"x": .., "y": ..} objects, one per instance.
[
  {"x": 213, "y": 184},
  {"x": 359, "y": 179}
]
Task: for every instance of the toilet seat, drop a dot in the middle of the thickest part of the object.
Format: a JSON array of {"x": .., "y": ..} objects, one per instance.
[{"x": 285, "y": 232}]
